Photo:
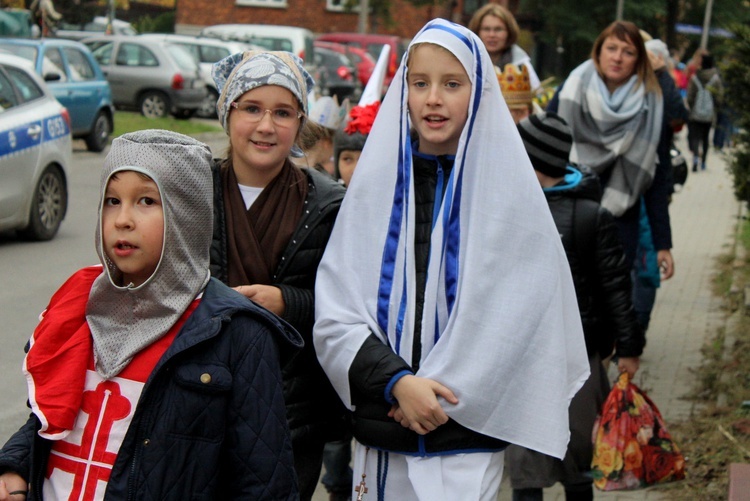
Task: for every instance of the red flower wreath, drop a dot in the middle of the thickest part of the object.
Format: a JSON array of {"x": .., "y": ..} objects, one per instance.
[{"x": 362, "y": 118}]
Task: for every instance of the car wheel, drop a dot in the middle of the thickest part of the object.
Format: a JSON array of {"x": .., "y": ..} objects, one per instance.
[
  {"x": 208, "y": 106},
  {"x": 48, "y": 206},
  {"x": 182, "y": 114},
  {"x": 154, "y": 105},
  {"x": 99, "y": 137}
]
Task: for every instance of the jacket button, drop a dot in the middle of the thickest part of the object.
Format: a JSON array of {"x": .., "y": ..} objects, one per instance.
[
  {"x": 205, "y": 378},
  {"x": 146, "y": 442}
]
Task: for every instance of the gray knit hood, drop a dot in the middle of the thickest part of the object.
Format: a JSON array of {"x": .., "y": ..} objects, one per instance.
[{"x": 124, "y": 320}]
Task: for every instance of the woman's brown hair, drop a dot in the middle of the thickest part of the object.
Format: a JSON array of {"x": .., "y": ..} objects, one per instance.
[
  {"x": 497, "y": 10},
  {"x": 628, "y": 32}
]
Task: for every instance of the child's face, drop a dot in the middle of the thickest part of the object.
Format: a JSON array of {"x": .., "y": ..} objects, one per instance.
[
  {"x": 439, "y": 95},
  {"x": 519, "y": 114},
  {"x": 347, "y": 162},
  {"x": 133, "y": 225},
  {"x": 261, "y": 148}
]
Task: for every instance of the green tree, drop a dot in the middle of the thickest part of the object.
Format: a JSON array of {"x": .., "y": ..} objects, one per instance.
[
  {"x": 736, "y": 74},
  {"x": 571, "y": 26}
]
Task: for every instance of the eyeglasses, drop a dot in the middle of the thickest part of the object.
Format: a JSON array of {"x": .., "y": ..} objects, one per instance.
[
  {"x": 495, "y": 29},
  {"x": 282, "y": 117}
]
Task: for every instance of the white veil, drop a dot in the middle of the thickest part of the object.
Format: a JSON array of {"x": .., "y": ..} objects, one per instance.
[{"x": 501, "y": 326}]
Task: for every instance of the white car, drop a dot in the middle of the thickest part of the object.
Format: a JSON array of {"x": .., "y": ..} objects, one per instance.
[
  {"x": 97, "y": 26},
  {"x": 292, "y": 39},
  {"x": 206, "y": 52},
  {"x": 35, "y": 151}
]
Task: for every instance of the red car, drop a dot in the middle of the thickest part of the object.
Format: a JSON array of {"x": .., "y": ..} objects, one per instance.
[
  {"x": 360, "y": 58},
  {"x": 372, "y": 43}
]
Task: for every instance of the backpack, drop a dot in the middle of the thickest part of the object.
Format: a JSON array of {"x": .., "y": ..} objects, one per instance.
[
  {"x": 679, "y": 168},
  {"x": 703, "y": 107}
]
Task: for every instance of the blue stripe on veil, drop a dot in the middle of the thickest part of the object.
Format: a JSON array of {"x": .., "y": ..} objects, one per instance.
[
  {"x": 387, "y": 267},
  {"x": 450, "y": 220},
  {"x": 453, "y": 230}
]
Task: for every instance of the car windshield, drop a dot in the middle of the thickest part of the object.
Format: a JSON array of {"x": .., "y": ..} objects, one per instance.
[
  {"x": 271, "y": 43},
  {"x": 23, "y": 51},
  {"x": 374, "y": 49},
  {"x": 182, "y": 57},
  {"x": 211, "y": 54},
  {"x": 125, "y": 30},
  {"x": 102, "y": 51}
]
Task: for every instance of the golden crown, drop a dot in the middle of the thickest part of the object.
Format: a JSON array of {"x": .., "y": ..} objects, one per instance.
[{"x": 515, "y": 85}]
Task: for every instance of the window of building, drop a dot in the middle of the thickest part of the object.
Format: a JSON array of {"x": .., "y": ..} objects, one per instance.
[
  {"x": 341, "y": 5},
  {"x": 280, "y": 4}
]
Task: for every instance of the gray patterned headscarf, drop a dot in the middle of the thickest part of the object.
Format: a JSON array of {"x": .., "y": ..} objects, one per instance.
[
  {"x": 239, "y": 73},
  {"x": 124, "y": 320}
]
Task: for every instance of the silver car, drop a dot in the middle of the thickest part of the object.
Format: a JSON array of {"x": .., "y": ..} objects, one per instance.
[
  {"x": 35, "y": 151},
  {"x": 206, "y": 51},
  {"x": 155, "y": 77}
]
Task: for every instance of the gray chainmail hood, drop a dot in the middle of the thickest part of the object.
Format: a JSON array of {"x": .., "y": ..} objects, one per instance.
[{"x": 124, "y": 320}]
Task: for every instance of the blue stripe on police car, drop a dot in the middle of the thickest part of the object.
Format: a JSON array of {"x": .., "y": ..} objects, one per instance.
[{"x": 31, "y": 134}]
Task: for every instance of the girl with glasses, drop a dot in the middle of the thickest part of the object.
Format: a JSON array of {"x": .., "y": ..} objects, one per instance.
[{"x": 272, "y": 220}]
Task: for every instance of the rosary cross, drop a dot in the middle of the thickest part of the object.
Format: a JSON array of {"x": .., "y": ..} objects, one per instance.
[{"x": 361, "y": 489}]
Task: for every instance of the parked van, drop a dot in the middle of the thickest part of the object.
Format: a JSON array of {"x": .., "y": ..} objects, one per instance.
[
  {"x": 292, "y": 39},
  {"x": 373, "y": 44}
]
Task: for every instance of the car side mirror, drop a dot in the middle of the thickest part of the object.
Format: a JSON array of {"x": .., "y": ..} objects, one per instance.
[{"x": 52, "y": 77}]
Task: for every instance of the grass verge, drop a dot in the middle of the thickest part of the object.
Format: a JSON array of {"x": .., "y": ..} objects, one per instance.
[
  {"x": 126, "y": 121},
  {"x": 719, "y": 433}
]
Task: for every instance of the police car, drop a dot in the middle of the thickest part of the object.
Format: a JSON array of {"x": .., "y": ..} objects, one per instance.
[{"x": 35, "y": 151}]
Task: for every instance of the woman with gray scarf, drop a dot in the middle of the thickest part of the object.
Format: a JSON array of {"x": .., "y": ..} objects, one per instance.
[{"x": 614, "y": 106}]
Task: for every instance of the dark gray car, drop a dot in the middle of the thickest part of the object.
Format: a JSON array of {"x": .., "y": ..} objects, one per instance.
[{"x": 151, "y": 76}]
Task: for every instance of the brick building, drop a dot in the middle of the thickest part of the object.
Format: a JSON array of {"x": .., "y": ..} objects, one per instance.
[{"x": 319, "y": 16}]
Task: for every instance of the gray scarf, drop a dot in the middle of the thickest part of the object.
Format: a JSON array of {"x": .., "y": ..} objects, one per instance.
[
  {"x": 124, "y": 320},
  {"x": 616, "y": 133}
]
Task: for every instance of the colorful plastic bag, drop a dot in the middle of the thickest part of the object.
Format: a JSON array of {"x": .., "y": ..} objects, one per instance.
[{"x": 632, "y": 447}]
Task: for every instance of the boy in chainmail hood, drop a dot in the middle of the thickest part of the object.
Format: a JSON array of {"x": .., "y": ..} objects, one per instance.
[{"x": 162, "y": 375}]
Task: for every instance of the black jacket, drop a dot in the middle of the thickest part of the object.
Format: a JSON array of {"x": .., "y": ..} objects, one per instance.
[
  {"x": 226, "y": 439},
  {"x": 597, "y": 263},
  {"x": 375, "y": 365},
  {"x": 314, "y": 410},
  {"x": 675, "y": 113}
]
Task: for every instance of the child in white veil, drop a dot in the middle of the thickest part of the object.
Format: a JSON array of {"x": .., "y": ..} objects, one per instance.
[{"x": 447, "y": 342}]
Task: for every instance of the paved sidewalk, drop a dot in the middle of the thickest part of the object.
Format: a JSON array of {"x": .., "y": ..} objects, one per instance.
[{"x": 686, "y": 314}]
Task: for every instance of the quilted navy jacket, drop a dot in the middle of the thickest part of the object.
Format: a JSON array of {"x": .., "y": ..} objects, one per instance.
[{"x": 198, "y": 438}]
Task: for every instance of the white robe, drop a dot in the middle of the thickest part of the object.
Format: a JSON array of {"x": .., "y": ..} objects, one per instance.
[{"x": 501, "y": 326}]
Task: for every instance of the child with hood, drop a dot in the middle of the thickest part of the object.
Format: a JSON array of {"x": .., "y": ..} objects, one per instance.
[{"x": 147, "y": 378}]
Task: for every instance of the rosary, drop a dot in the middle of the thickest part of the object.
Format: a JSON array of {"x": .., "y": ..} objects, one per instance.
[{"x": 362, "y": 487}]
